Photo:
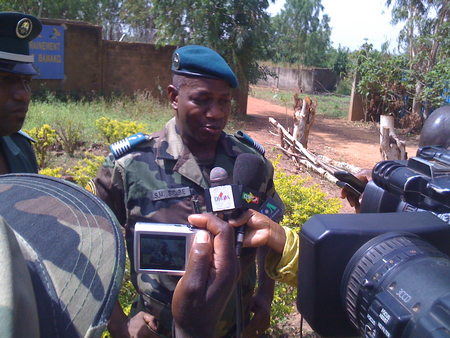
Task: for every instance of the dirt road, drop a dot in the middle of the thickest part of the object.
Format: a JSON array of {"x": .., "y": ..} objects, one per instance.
[{"x": 354, "y": 143}]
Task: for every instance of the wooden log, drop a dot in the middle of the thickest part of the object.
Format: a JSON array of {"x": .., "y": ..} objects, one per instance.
[
  {"x": 304, "y": 116},
  {"x": 296, "y": 143}
]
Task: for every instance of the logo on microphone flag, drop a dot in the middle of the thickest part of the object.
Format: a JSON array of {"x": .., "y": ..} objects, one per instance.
[{"x": 222, "y": 198}]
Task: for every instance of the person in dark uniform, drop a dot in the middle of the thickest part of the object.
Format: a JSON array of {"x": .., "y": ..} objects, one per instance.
[{"x": 16, "y": 72}]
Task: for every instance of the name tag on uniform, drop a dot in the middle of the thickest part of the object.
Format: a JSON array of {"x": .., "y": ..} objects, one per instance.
[{"x": 162, "y": 194}]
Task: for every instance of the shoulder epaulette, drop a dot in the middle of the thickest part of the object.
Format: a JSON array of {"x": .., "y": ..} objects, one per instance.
[
  {"x": 123, "y": 146},
  {"x": 24, "y": 134},
  {"x": 240, "y": 135}
]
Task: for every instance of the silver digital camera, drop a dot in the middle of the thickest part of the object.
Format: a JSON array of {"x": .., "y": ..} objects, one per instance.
[{"x": 162, "y": 248}]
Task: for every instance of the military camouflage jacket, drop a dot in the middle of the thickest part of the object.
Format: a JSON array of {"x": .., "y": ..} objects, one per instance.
[
  {"x": 18, "y": 153},
  {"x": 157, "y": 182}
]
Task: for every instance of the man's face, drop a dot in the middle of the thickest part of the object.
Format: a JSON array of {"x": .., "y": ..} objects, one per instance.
[
  {"x": 203, "y": 107},
  {"x": 15, "y": 95}
]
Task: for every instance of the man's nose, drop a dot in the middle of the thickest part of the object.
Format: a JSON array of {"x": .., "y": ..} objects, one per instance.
[{"x": 215, "y": 111}]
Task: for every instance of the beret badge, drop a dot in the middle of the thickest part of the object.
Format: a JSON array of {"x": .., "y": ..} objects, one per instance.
[
  {"x": 23, "y": 28},
  {"x": 176, "y": 61}
]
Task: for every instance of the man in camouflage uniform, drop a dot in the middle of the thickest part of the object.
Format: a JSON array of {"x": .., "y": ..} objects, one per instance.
[
  {"x": 161, "y": 180},
  {"x": 16, "y": 72}
]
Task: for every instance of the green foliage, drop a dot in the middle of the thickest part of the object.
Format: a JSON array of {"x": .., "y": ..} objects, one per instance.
[
  {"x": 344, "y": 87},
  {"x": 383, "y": 81},
  {"x": 45, "y": 138},
  {"x": 113, "y": 130},
  {"x": 301, "y": 34},
  {"x": 282, "y": 304},
  {"x": 69, "y": 131},
  {"x": 302, "y": 201},
  {"x": 86, "y": 169},
  {"x": 341, "y": 61},
  {"x": 54, "y": 172}
]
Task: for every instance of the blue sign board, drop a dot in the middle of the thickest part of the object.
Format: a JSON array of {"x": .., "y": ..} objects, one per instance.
[{"x": 48, "y": 51}]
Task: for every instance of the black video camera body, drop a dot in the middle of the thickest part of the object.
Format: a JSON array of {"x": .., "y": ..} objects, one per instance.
[
  {"x": 422, "y": 182},
  {"x": 383, "y": 273}
]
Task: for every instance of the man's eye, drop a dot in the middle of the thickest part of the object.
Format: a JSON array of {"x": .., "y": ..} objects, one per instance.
[{"x": 201, "y": 100}]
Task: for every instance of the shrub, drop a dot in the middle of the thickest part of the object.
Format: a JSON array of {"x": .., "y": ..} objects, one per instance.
[
  {"x": 70, "y": 132},
  {"x": 114, "y": 130},
  {"x": 45, "y": 138},
  {"x": 86, "y": 169},
  {"x": 54, "y": 172}
]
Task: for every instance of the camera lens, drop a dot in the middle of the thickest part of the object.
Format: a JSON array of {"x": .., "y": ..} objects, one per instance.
[{"x": 397, "y": 285}]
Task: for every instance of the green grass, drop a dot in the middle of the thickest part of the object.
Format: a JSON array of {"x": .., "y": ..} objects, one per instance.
[
  {"x": 329, "y": 105},
  {"x": 142, "y": 109}
]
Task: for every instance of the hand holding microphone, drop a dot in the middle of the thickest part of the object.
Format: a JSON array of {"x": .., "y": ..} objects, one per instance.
[{"x": 243, "y": 194}]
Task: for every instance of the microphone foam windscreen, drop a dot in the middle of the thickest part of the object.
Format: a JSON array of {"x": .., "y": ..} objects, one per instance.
[
  {"x": 219, "y": 176},
  {"x": 249, "y": 171}
]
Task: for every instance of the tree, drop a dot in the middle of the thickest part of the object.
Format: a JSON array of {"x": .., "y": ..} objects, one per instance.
[
  {"x": 117, "y": 17},
  {"x": 426, "y": 29},
  {"x": 301, "y": 37},
  {"x": 237, "y": 30}
]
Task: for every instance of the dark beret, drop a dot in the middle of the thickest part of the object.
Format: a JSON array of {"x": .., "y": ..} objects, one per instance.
[
  {"x": 16, "y": 32},
  {"x": 202, "y": 62}
]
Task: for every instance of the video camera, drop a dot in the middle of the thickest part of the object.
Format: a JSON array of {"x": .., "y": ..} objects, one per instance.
[{"x": 383, "y": 273}]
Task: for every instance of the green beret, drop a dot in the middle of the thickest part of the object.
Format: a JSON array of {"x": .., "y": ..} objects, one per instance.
[
  {"x": 202, "y": 62},
  {"x": 16, "y": 32}
]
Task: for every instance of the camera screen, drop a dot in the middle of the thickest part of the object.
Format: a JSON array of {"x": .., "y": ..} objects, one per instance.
[{"x": 163, "y": 252}]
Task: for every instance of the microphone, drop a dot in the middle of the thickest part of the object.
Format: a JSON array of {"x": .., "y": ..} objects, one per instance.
[
  {"x": 249, "y": 174},
  {"x": 219, "y": 176},
  {"x": 243, "y": 194}
]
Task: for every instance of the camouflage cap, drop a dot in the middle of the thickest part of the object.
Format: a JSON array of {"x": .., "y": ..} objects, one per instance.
[
  {"x": 201, "y": 61},
  {"x": 16, "y": 32},
  {"x": 73, "y": 259}
]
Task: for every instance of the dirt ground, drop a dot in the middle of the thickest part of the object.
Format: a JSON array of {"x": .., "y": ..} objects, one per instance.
[{"x": 354, "y": 143}]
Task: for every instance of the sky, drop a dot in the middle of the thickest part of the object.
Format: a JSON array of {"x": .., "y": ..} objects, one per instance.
[{"x": 354, "y": 20}]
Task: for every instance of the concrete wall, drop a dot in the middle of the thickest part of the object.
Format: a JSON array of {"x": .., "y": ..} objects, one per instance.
[
  {"x": 309, "y": 80},
  {"x": 93, "y": 65}
]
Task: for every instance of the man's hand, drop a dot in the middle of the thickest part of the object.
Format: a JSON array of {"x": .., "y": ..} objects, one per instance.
[
  {"x": 211, "y": 275},
  {"x": 142, "y": 325},
  {"x": 365, "y": 175},
  {"x": 260, "y": 231}
]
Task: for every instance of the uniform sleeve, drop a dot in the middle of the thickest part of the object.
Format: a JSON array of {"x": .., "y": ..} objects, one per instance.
[
  {"x": 284, "y": 268},
  {"x": 109, "y": 187}
]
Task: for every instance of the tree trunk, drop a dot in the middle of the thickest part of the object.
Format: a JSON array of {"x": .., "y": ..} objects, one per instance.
[
  {"x": 304, "y": 116},
  {"x": 391, "y": 147},
  {"x": 240, "y": 98},
  {"x": 417, "y": 101}
]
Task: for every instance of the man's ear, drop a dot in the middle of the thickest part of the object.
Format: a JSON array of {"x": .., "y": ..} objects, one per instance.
[{"x": 172, "y": 92}]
